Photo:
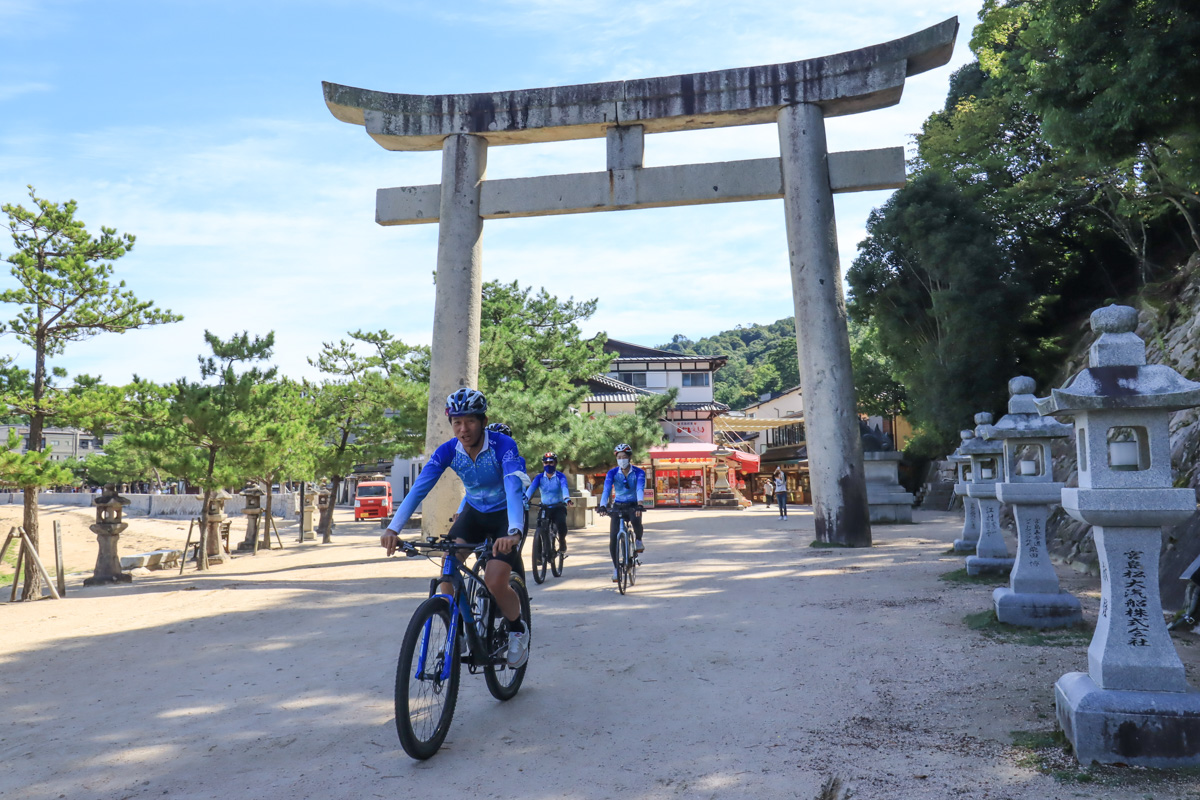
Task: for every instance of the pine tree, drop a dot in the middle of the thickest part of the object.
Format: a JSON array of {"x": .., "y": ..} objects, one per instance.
[{"x": 65, "y": 293}]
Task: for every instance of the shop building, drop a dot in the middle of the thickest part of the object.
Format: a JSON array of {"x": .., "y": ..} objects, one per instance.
[{"x": 685, "y": 470}]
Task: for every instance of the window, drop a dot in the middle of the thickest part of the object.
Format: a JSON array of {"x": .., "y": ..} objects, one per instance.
[
  {"x": 695, "y": 379},
  {"x": 633, "y": 378},
  {"x": 83, "y": 444}
]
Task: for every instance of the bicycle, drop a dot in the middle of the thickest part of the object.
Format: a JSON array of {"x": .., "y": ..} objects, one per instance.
[
  {"x": 446, "y": 631},
  {"x": 545, "y": 547},
  {"x": 627, "y": 560}
]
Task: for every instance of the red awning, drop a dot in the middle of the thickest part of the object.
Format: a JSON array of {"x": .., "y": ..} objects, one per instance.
[{"x": 747, "y": 462}]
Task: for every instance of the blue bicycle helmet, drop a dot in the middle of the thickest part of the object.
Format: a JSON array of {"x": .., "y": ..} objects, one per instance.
[
  {"x": 465, "y": 403},
  {"x": 500, "y": 427}
]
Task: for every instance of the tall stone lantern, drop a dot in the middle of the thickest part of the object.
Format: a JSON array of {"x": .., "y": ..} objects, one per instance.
[
  {"x": 962, "y": 465},
  {"x": 1033, "y": 597},
  {"x": 211, "y": 517},
  {"x": 253, "y": 511},
  {"x": 108, "y": 528},
  {"x": 991, "y": 553},
  {"x": 1133, "y": 705}
]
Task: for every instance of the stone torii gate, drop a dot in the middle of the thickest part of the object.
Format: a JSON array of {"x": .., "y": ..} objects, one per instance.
[{"x": 796, "y": 96}]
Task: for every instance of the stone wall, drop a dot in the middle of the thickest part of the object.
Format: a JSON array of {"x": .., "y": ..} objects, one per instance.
[{"x": 185, "y": 506}]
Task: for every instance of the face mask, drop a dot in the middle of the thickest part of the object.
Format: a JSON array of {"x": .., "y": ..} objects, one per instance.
[
  {"x": 622, "y": 462},
  {"x": 550, "y": 469}
]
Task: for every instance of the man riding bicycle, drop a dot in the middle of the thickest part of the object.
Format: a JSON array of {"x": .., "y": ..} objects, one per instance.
[
  {"x": 487, "y": 462},
  {"x": 556, "y": 495},
  {"x": 628, "y": 485}
]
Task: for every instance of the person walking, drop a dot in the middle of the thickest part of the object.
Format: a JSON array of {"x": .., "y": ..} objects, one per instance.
[
  {"x": 769, "y": 491},
  {"x": 781, "y": 492}
]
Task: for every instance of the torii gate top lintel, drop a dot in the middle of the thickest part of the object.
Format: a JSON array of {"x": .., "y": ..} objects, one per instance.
[{"x": 845, "y": 83}]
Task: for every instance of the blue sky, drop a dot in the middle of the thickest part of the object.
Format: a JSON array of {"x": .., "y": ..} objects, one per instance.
[{"x": 200, "y": 128}]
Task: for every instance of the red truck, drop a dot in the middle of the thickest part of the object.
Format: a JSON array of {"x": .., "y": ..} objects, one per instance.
[{"x": 373, "y": 500}]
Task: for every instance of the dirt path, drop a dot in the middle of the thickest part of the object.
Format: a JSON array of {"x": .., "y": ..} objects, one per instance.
[{"x": 744, "y": 664}]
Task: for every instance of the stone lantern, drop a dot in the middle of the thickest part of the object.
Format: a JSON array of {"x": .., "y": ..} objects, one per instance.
[
  {"x": 1133, "y": 705},
  {"x": 962, "y": 466},
  {"x": 253, "y": 511},
  {"x": 211, "y": 517},
  {"x": 1033, "y": 597},
  {"x": 308, "y": 510},
  {"x": 991, "y": 553},
  {"x": 108, "y": 528}
]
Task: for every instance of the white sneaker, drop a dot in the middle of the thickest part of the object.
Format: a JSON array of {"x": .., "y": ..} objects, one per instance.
[
  {"x": 616, "y": 573},
  {"x": 518, "y": 649}
]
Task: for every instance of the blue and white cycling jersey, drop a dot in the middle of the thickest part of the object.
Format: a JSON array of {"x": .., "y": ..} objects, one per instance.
[
  {"x": 625, "y": 488},
  {"x": 483, "y": 479},
  {"x": 554, "y": 488}
]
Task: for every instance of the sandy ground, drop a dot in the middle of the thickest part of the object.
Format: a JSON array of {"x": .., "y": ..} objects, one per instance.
[{"x": 743, "y": 664}]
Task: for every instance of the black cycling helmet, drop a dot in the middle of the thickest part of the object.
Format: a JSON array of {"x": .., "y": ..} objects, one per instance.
[
  {"x": 465, "y": 403},
  {"x": 550, "y": 458},
  {"x": 623, "y": 448},
  {"x": 500, "y": 427}
]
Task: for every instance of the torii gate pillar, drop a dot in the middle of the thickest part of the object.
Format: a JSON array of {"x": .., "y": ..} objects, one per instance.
[
  {"x": 835, "y": 461},
  {"x": 797, "y": 96},
  {"x": 457, "y": 307}
]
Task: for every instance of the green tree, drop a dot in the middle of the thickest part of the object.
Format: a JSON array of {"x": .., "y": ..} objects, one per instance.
[
  {"x": 535, "y": 362},
  {"x": 931, "y": 278},
  {"x": 289, "y": 453},
  {"x": 372, "y": 406},
  {"x": 207, "y": 432},
  {"x": 877, "y": 392},
  {"x": 120, "y": 462},
  {"x": 64, "y": 293}
]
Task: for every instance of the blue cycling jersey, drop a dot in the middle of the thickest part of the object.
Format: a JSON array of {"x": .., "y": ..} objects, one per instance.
[
  {"x": 554, "y": 488},
  {"x": 625, "y": 488},
  {"x": 490, "y": 480}
]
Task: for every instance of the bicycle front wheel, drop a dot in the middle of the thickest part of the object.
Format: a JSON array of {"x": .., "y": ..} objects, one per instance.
[
  {"x": 622, "y": 559},
  {"x": 502, "y": 680},
  {"x": 556, "y": 553},
  {"x": 541, "y": 554},
  {"x": 425, "y": 693}
]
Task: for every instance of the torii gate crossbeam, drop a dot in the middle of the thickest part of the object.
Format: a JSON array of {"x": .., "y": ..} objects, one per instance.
[{"x": 797, "y": 96}]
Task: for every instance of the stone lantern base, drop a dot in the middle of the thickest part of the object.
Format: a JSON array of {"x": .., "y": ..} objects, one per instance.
[
  {"x": 983, "y": 565},
  {"x": 1040, "y": 610},
  {"x": 966, "y": 543},
  {"x": 887, "y": 501},
  {"x": 1145, "y": 729}
]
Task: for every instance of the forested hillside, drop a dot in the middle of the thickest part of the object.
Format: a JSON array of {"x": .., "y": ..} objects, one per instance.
[
  {"x": 762, "y": 358},
  {"x": 1063, "y": 173}
]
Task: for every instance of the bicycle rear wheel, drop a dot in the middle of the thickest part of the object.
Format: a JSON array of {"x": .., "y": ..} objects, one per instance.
[
  {"x": 540, "y": 554},
  {"x": 622, "y": 558},
  {"x": 503, "y": 681},
  {"x": 424, "y": 699},
  {"x": 556, "y": 553}
]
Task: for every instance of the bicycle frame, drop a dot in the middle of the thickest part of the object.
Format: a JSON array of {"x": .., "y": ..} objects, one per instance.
[{"x": 457, "y": 575}]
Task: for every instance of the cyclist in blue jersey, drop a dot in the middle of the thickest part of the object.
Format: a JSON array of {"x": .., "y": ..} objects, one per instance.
[
  {"x": 487, "y": 463},
  {"x": 627, "y": 485},
  {"x": 556, "y": 495}
]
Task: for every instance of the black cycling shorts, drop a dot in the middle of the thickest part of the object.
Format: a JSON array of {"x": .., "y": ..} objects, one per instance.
[{"x": 473, "y": 526}]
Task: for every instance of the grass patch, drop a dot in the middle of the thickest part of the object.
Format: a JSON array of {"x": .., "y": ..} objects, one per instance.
[
  {"x": 1049, "y": 753},
  {"x": 985, "y": 622},
  {"x": 960, "y": 577}
]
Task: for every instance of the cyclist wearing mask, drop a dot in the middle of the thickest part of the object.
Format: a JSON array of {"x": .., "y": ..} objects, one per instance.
[
  {"x": 627, "y": 484},
  {"x": 556, "y": 496},
  {"x": 487, "y": 463}
]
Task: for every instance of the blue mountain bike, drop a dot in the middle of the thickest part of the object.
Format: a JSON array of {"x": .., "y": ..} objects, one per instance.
[{"x": 445, "y": 632}]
